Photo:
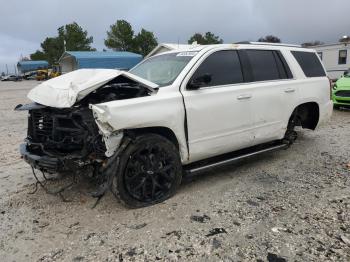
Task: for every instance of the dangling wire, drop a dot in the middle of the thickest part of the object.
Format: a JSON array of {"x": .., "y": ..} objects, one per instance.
[{"x": 56, "y": 192}]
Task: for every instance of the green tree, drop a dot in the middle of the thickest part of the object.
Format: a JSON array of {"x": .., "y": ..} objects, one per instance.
[
  {"x": 38, "y": 55},
  {"x": 144, "y": 42},
  {"x": 120, "y": 37},
  {"x": 312, "y": 43},
  {"x": 52, "y": 48},
  {"x": 73, "y": 35},
  {"x": 207, "y": 39},
  {"x": 269, "y": 39}
]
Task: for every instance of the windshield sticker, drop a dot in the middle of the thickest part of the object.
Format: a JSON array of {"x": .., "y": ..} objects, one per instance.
[{"x": 187, "y": 54}]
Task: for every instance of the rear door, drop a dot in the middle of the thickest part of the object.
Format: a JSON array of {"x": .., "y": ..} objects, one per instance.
[
  {"x": 274, "y": 94},
  {"x": 219, "y": 118}
]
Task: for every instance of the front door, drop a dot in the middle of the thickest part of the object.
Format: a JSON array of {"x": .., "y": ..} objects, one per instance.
[{"x": 219, "y": 116}]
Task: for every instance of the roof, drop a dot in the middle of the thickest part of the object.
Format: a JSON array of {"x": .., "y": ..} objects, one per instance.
[
  {"x": 331, "y": 45},
  {"x": 100, "y": 59},
  {"x": 31, "y": 62},
  {"x": 168, "y": 46},
  {"x": 30, "y": 65},
  {"x": 244, "y": 45}
]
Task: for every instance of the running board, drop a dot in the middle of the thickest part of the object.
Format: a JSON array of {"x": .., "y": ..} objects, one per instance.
[{"x": 194, "y": 170}]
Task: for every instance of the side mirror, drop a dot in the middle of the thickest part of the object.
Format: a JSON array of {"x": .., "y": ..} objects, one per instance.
[{"x": 199, "y": 82}]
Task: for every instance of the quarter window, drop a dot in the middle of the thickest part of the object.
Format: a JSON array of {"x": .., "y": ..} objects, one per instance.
[
  {"x": 309, "y": 63},
  {"x": 320, "y": 55},
  {"x": 224, "y": 68},
  {"x": 263, "y": 65},
  {"x": 342, "y": 57}
]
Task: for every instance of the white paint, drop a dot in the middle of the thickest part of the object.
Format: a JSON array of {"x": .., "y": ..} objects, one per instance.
[
  {"x": 219, "y": 119},
  {"x": 64, "y": 91}
]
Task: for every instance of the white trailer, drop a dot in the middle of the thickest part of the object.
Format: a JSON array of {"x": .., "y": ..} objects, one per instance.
[{"x": 335, "y": 57}]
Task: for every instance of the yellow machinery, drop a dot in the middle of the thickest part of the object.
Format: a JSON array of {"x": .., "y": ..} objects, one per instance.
[
  {"x": 56, "y": 71},
  {"x": 42, "y": 74}
]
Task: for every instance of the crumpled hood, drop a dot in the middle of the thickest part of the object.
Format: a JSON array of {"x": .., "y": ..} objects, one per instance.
[{"x": 64, "y": 91}]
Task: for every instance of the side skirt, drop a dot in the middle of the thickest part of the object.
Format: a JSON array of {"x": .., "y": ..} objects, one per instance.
[{"x": 230, "y": 158}]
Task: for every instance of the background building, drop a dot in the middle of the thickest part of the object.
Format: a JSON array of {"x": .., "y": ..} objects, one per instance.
[
  {"x": 29, "y": 65},
  {"x": 72, "y": 60},
  {"x": 335, "y": 58}
]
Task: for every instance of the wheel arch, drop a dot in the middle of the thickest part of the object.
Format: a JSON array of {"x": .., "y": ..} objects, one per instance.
[
  {"x": 307, "y": 115},
  {"x": 166, "y": 132}
]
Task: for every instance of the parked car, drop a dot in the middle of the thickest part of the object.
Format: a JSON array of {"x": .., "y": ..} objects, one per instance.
[
  {"x": 11, "y": 78},
  {"x": 341, "y": 91},
  {"x": 173, "y": 114},
  {"x": 30, "y": 75}
]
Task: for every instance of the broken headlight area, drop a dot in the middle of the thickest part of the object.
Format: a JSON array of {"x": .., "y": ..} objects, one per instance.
[
  {"x": 65, "y": 139},
  {"x": 61, "y": 140}
]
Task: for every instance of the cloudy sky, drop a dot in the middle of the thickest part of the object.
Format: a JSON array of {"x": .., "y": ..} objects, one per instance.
[{"x": 24, "y": 24}]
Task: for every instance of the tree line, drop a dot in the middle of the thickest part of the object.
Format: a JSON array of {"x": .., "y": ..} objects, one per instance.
[{"x": 122, "y": 37}]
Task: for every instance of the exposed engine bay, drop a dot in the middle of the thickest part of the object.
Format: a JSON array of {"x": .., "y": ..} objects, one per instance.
[{"x": 66, "y": 139}]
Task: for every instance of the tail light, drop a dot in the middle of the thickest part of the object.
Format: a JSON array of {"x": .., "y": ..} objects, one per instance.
[{"x": 331, "y": 84}]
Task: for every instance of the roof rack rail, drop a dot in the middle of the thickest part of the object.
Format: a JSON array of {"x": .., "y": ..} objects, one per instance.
[{"x": 267, "y": 43}]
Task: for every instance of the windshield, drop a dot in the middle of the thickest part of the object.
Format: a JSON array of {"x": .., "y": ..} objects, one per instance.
[{"x": 163, "y": 69}]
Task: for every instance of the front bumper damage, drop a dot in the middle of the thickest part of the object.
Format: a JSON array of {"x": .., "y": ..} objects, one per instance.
[
  {"x": 50, "y": 164},
  {"x": 62, "y": 140}
]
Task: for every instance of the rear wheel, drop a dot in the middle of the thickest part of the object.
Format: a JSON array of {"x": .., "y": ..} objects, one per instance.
[
  {"x": 290, "y": 135},
  {"x": 149, "y": 171}
]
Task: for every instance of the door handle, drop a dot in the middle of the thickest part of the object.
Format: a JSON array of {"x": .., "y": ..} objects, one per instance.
[
  {"x": 244, "y": 97},
  {"x": 289, "y": 90}
]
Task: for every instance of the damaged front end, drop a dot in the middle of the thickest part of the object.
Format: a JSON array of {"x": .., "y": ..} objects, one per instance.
[
  {"x": 61, "y": 140},
  {"x": 68, "y": 139}
]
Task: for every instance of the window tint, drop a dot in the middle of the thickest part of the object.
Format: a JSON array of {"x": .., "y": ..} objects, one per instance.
[
  {"x": 263, "y": 65},
  {"x": 342, "y": 57},
  {"x": 282, "y": 66},
  {"x": 224, "y": 68},
  {"x": 320, "y": 55},
  {"x": 310, "y": 63}
]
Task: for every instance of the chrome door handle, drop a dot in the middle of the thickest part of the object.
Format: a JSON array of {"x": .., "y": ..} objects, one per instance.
[
  {"x": 244, "y": 97},
  {"x": 289, "y": 90}
]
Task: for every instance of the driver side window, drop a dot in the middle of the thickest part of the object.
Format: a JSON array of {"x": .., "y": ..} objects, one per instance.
[{"x": 223, "y": 67}]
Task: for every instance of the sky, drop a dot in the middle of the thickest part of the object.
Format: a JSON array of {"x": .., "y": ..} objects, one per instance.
[{"x": 25, "y": 24}]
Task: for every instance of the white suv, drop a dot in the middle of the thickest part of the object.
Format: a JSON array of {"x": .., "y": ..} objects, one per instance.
[{"x": 175, "y": 113}]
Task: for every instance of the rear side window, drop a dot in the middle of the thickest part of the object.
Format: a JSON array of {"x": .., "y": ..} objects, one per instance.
[
  {"x": 263, "y": 65},
  {"x": 224, "y": 68},
  {"x": 310, "y": 63}
]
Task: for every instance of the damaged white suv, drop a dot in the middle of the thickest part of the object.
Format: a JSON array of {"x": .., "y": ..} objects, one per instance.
[{"x": 175, "y": 113}]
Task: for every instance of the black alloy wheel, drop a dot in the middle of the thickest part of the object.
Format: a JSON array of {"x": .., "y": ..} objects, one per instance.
[{"x": 149, "y": 171}]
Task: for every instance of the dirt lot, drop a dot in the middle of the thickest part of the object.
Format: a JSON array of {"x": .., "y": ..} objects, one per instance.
[{"x": 290, "y": 205}]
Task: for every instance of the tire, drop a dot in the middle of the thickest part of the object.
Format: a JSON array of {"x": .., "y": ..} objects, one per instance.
[
  {"x": 290, "y": 136},
  {"x": 149, "y": 172}
]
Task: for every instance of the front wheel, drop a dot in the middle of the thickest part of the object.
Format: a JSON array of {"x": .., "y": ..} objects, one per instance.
[{"x": 149, "y": 171}]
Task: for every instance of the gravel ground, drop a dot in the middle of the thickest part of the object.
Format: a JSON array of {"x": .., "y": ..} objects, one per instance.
[{"x": 289, "y": 205}]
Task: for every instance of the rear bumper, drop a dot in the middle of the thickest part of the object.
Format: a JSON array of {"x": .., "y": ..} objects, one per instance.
[
  {"x": 47, "y": 163},
  {"x": 326, "y": 113}
]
